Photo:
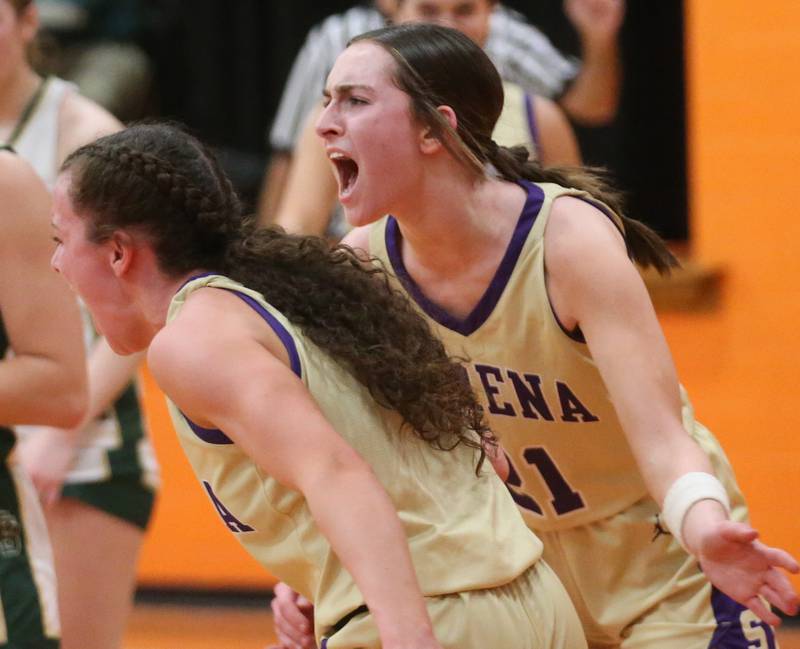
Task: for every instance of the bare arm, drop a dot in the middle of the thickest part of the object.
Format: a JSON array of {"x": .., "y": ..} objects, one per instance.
[
  {"x": 557, "y": 142},
  {"x": 310, "y": 192},
  {"x": 272, "y": 187},
  {"x": 266, "y": 409},
  {"x": 592, "y": 284},
  {"x": 44, "y": 382},
  {"x": 593, "y": 97}
]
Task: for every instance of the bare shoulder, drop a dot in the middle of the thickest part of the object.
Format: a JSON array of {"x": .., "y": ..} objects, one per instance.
[
  {"x": 188, "y": 343},
  {"x": 358, "y": 239},
  {"x": 576, "y": 227},
  {"x": 82, "y": 121},
  {"x": 547, "y": 109}
]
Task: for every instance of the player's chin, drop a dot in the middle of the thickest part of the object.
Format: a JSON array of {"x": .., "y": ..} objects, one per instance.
[{"x": 358, "y": 215}]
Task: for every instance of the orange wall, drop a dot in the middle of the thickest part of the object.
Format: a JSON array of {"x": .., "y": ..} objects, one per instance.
[{"x": 740, "y": 363}]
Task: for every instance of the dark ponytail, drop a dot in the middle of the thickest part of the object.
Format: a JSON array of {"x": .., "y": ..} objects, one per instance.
[
  {"x": 644, "y": 246},
  {"x": 439, "y": 66},
  {"x": 160, "y": 182}
]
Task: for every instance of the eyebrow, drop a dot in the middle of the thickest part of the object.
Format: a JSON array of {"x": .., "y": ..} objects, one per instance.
[{"x": 346, "y": 88}]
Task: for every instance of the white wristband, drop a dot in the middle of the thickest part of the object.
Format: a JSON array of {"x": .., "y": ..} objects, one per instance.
[{"x": 687, "y": 490}]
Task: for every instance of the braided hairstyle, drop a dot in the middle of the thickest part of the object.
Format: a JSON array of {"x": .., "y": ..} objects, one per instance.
[
  {"x": 438, "y": 66},
  {"x": 164, "y": 185}
]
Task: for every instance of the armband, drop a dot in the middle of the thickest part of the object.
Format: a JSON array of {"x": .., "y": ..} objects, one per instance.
[{"x": 687, "y": 490}]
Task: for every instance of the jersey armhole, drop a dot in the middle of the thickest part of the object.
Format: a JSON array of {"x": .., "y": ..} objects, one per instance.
[{"x": 283, "y": 334}]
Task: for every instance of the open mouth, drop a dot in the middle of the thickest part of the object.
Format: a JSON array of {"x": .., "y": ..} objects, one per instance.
[{"x": 347, "y": 171}]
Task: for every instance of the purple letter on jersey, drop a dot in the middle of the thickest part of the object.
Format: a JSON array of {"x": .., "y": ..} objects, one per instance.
[{"x": 233, "y": 523}]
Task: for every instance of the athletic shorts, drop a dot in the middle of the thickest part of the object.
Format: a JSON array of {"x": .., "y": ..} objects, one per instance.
[
  {"x": 634, "y": 587},
  {"x": 114, "y": 469},
  {"x": 531, "y": 612}
]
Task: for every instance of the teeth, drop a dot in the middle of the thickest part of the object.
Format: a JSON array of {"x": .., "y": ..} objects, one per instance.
[{"x": 337, "y": 156}]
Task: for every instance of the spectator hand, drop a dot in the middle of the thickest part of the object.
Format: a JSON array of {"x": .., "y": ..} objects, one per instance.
[
  {"x": 747, "y": 570},
  {"x": 597, "y": 21},
  {"x": 294, "y": 619}
]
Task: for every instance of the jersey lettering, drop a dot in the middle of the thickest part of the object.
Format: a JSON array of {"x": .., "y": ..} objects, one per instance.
[
  {"x": 233, "y": 523},
  {"x": 531, "y": 403},
  {"x": 754, "y": 632},
  {"x": 571, "y": 407},
  {"x": 530, "y": 396},
  {"x": 565, "y": 499},
  {"x": 491, "y": 390}
]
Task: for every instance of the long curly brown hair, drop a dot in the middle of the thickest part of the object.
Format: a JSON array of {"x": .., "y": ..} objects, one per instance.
[
  {"x": 439, "y": 66},
  {"x": 160, "y": 182}
]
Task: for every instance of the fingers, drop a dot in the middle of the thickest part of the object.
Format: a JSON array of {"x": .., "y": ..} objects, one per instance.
[
  {"x": 292, "y": 625},
  {"x": 779, "y": 558},
  {"x": 758, "y": 607},
  {"x": 738, "y": 532},
  {"x": 778, "y": 590}
]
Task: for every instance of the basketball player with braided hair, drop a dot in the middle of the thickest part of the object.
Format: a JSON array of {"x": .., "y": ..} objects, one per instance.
[
  {"x": 330, "y": 430},
  {"x": 529, "y": 274}
]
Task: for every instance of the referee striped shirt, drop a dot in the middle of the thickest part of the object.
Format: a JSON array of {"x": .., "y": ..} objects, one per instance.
[{"x": 521, "y": 53}]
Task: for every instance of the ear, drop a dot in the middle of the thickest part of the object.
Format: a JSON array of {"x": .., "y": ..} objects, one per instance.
[
  {"x": 29, "y": 22},
  {"x": 431, "y": 143},
  {"x": 121, "y": 251}
]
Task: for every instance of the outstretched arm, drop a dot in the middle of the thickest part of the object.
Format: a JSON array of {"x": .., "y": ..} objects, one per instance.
[
  {"x": 593, "y": 285},
  {"x": 266, "y": 409},
  {"x": 592, "y": 98}
]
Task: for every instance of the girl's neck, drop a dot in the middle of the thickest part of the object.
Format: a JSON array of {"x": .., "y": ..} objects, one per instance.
[
  {"x": 456, "y": 219},
  {"x": 16, "y": 93}
]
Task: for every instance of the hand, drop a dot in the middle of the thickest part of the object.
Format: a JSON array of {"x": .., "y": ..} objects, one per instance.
[
  {"x": 46, "y": 454},
  {"x": 747, "y": 570},
  {"x": 499, "y": 460},
  {"x": 293, "y": 618},
  {"x": 596, "y": 21}
]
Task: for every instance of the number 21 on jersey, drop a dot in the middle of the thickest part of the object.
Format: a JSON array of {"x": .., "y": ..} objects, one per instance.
[{"x": 565, "y": 498}]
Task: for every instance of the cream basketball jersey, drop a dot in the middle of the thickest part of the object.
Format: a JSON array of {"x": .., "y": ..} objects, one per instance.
[
  {"x": 542, "y": 392},
  {"x": 463, "y": 530},
  {"x": 517, "y": 122}
]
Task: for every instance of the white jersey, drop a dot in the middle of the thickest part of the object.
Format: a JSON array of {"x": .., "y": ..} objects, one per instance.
[{"x": 38, "y": 140}]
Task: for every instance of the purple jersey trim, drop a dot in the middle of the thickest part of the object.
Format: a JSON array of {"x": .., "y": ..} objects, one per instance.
[
  {"x": 194, "y": 277},
  {"x": 729, "y": 633},
  {"x": 215, "y": 435},
  {"x": 490, "y": 298},
  {"x": 208, "y": 435},
  {"x": 532, "y": 124},
  {"x": 278, "y": 328}
]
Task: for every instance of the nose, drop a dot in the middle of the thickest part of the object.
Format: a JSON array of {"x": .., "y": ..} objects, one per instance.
[{"x": 327, "y": 122}]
